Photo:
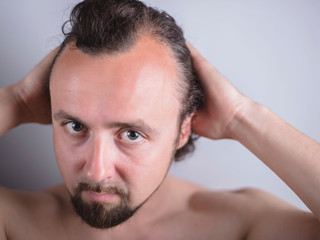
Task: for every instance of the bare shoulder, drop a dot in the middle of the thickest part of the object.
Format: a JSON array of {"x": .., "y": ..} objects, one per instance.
[
  {"x": 3, "y": 212},
  {"x": 215, "y": 201},
  {"x": 273, "y": 218},
  {"x": 208, "y": 214},
  {"x": 14, "y": 200},
  {"x": 262, "y": 215},
  {"x": 248, "y": 214},
  {"x": 21, "y": 210}
]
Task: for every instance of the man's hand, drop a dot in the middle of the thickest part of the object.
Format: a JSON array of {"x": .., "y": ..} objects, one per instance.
[
  {"x": 216, "y": 118},
  {"x": 27, "y": 100},
  {"x": 32, "y": 95}
]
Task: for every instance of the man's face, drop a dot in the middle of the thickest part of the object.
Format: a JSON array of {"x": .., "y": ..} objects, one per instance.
[{"x": 115, "y": 122}]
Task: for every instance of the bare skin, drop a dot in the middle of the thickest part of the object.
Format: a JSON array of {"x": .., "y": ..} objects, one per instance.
[
  {"x": 178, "y": 210},
  {"x": 191, "y": 212}
]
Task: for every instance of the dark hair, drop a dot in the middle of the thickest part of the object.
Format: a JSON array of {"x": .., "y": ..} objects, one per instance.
[{"x": 113, "y": 26}]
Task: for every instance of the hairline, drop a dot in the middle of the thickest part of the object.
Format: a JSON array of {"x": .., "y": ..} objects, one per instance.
[{"x": 179, "y": 73}]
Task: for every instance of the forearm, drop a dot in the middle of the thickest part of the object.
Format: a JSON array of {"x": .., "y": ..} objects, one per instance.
[
  {"x": 293, "y": 156},
  {"x": 11, "y": 114}
]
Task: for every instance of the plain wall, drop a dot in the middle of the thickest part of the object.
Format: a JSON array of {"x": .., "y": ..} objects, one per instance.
[{"x": 269, "y": 49}]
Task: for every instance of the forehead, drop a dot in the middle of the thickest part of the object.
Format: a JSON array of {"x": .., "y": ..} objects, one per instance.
[{"x": 138, "y": 82}]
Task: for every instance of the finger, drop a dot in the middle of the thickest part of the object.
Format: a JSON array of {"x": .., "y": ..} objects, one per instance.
[
  {"x": 202, "y": 66},
  {"x": 41, "y": 70},
  {"x": 197, "y": 58},
  {"x": 194, "y": 52},
  {"x": 208, "y": 74},
  {"x": 47, "y": 60},
  {"x": 197, "y": 123}
]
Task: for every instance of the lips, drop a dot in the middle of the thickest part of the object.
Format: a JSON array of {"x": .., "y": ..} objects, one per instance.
[{"x": 100, "y": 197}]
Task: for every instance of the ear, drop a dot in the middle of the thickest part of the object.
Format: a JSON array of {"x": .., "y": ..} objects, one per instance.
[{"x": 185, "y": 131}]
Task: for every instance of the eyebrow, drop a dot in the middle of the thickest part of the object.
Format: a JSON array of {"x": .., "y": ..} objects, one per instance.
[
  {"x": 138, "y": 125},
  {"x": 63, "y": 115}
]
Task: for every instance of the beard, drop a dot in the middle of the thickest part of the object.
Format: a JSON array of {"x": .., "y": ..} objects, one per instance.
[{"x": 102, "y": 215}]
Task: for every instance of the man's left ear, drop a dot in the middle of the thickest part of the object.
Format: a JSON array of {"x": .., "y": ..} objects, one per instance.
[{"x": 185, "y": 131}]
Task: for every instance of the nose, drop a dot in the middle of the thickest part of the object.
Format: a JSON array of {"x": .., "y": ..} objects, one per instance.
[{"x": 99, "y": 163}]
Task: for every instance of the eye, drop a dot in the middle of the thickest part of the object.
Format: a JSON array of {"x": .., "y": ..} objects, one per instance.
[
  {"x": 131, "y": 136},
  {"x": 75, "y": 127}
]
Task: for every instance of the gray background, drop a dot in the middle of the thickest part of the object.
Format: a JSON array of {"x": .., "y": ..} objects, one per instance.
[{"x": 269, "y": 49}]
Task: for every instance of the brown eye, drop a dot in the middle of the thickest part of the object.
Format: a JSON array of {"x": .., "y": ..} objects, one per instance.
[
  {"x": 132, "y": 135},
  {"x": 75, "y": 127}
]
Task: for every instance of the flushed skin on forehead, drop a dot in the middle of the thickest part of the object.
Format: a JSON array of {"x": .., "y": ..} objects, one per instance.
[
  {"x": 147, "y": 60},
  {"x": 110, "y": 94}
]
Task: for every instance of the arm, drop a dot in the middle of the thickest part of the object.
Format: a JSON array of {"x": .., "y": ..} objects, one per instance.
[
  {"x": 293, "y": 156},
  {"x": 23, "y": 102},
  {"x": 10, "y": 115},
  {"x": 26, "y": 101}
]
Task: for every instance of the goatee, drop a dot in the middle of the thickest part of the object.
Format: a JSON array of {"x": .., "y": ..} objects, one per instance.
[{"x": 98, "y": 214}]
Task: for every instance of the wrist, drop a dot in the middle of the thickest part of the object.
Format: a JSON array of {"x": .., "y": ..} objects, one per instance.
[
  {"x": 11, "y": 115},
  {"x": 248, "y": 115},
  {"x": 23, "y": 113}
]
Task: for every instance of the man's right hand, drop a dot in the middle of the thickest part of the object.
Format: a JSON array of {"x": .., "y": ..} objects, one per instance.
[
  {"x": 31, "y": 92},
  {"x": 27, "y": 101}
]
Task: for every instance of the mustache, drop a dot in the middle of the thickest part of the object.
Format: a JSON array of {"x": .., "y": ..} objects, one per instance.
[{"x": 98, "y": 188}]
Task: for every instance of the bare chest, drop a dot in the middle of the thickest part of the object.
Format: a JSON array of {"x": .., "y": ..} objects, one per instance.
[
  {"x": 184, "y": 226},
  {"x": 194, "y": 227}
]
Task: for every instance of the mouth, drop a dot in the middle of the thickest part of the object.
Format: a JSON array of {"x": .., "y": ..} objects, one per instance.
[{"x": 100, "y": 197}]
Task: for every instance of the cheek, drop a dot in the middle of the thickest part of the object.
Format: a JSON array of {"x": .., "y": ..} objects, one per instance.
[
  {"x": 66, "y": 156},
  {"x": 149, "y": 168}
]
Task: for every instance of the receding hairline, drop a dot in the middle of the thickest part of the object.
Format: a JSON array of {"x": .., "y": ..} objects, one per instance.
[
  {"x": 142, "y": 34},
  {"x": 72, "y": 46}
]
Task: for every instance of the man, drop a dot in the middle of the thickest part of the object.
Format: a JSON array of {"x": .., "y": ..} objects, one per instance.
[{"x": 119, "y": 117}]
